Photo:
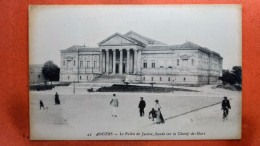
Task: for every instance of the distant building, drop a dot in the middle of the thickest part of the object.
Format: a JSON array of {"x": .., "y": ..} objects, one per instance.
[
  {"x": 139, "y": 59},
  {"x": 35, "y": 74}
]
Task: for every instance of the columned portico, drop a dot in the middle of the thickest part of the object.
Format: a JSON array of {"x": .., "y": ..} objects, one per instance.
[{"x": 119, "y": 61}]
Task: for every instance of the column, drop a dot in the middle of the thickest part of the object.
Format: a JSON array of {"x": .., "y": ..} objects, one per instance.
[
  {"x": 135, "y": 61},
  {"x": 101, "y": 61},
  {"x": 139, "y": 61},
  {"x": 127, "y": 61},
  {"x": 114, "y": 61},
  {"x": 107, "y": 61},
  {"x": 121, "y": 62}
]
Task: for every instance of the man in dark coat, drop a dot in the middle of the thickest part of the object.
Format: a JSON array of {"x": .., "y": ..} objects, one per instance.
[
  {"x": 57, "y": 100},
  {"x": 41, "y": 105},
  {"x": 141, "y": 106},
  {"x": 225, "y": 106}
]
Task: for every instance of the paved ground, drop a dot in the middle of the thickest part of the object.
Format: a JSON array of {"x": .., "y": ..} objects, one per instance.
[{"x": 84, "y": 113}]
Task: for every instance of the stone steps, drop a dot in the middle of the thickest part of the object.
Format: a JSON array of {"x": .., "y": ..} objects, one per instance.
[{"x": 109, "y": 79}]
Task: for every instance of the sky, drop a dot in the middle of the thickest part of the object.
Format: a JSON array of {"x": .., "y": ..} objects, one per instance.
[{"x": 55, "y": 28}]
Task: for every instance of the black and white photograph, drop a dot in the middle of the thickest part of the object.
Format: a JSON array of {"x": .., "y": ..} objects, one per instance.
[{"x": 135, "y": 72}]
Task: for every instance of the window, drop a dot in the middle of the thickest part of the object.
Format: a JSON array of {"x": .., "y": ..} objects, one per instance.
[
  {"x": 153, "y": 64},
  {"x": 63, "y": 62},
  {"x": 88, "y": 64},
  {"x": 169, "y": 66},
  {"x": 143, "y": 78},
  {"x": 81, "y": 64},
  {"x": 95, "y": 64},
  {"x": 68, "y": 77},
  {"x": 39, "y": 76},
  {"x": 161, "y": 66},
  {"x": 87, "y": 77},
  {"x": 178, "y": 62},
  {"x": 74, "y": 62},
  {"x": 145, "y": 64},
  {"x": 169, "y": 79},
  {"x": 160, "y": 78},
  {"x": 184, "y": 79},
  {"x": 152, "y": 78},
  {"x": 80, "y": 77},
  {"x": 192, "y": 62}
]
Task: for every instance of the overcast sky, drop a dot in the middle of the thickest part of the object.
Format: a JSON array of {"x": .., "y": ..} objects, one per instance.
[{"x": 54, "y": 28}]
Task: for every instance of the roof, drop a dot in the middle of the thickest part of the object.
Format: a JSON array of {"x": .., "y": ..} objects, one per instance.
[
  {"x": 185, "y": 46},
  {"x": 76, "y": 48},
  {"x": 143, "y": 39},
  {"x": 192, "y": 46}
]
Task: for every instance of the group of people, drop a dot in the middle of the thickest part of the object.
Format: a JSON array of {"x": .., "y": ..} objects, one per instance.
[
  {"x": 155, "y": 113},
  {"x": 56, "y": 99}
]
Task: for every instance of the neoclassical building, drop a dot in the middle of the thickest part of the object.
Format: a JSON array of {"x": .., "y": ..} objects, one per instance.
[{"x": 138, "y": 59}]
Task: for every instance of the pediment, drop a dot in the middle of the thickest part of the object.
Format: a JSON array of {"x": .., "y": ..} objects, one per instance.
[
  {"x": 185, "y": 56},
  {"x": 117, "y": 39},
  {"x": 69, "y": 58}
]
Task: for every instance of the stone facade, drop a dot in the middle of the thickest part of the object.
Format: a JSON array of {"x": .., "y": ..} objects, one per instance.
[
  {"x": 35, "y": 74},
  {"x": 142, "y": 60}
]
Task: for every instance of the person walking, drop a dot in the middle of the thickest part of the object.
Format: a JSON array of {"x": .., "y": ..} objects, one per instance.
[
  {"x": 41, "y": 105},
  {"x": 57, "y": 99},
  {"x": 114, "y": 105},
  {"x": 159, "y": 117},
  {"x": 141, "y": 106},
  {"x": 225, "y": 107}
]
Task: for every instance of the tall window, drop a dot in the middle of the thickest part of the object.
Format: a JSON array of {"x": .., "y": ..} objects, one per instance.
[
  {"x": 169, "y": 79},
  {"x": 152, "y": 78},
  {"x": 145, "y": 64},
  {"x": 63, "y": 62},
  {"x": 95, "y": 64},
  {"x": 80, "y": 77},
  {"x": 81, "y": 64},
  {"x": 87, "y": 77},
  {"x": 143, "y": 78},
  {"x": 153, "y": 64},
  {"x": 88, "y": 64},
  {"x": 74, "y": 62},
  {"x": 192, "y": 62},
  {"x": 160, "y": 78},
  {"x": 178, "y": 62}
]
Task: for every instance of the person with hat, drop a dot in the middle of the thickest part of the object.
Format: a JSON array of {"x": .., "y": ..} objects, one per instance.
[
  {"x": 225, "y": 107},
  {"x": 159, "y": 117},
  {"x": 114, "y": 105},
  {"x": 141, "y": 106}
]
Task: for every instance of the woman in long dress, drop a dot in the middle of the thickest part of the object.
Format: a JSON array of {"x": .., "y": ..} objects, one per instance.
[{"x": 159, "y": 117}]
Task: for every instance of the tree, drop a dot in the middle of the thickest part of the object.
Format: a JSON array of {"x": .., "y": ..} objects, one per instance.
[
  {"x": 51, "y": 71},
  {"x": 232, "y": 77},
  {"x": 237, "y": 71}
]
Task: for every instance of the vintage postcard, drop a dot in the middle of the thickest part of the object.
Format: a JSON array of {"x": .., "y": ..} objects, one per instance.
[{"x": 135, "y": 72}]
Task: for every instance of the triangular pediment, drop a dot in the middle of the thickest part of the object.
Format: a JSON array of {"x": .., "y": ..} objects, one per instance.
[{"x": 117, "y": 39}]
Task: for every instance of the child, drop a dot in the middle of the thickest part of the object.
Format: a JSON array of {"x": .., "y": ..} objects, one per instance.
[
  {"x": 153, "y": 113},
  {"x": 41, "y": 105}
]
